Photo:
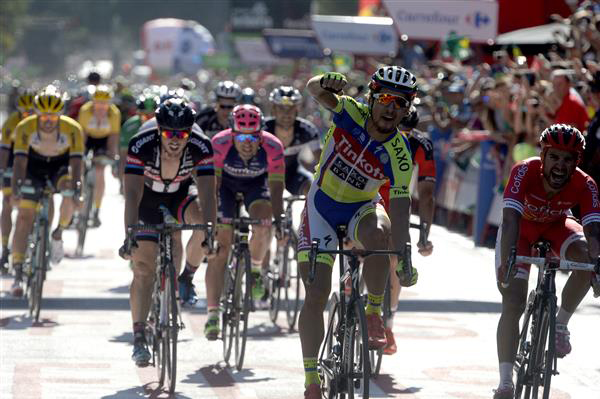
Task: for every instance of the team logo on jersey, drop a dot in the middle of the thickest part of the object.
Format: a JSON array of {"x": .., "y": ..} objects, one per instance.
[
  {"x": 384, "y": 158},
  {"x": 348, "y": 174}
]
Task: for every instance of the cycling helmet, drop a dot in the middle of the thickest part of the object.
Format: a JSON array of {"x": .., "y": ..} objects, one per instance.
[
  {"x": 25, "y": 101},
  {"x": 147, "y": 103},
  {"x": 285, "y": 95},
  {"x": 175, "y": 114},
  {"x": 246, "y": 118},
  {"x": 248, "y": 96},
  {"x": 93, "y": 78},
  {"x": 563, "y": 137},
  {"x": 49, "y": 100},
  {"x": 411, "y": 120},
  {"x": 102, "y": 93},
  {"x": 228, "y": 89},
  {"x": 394, "y": 78}
]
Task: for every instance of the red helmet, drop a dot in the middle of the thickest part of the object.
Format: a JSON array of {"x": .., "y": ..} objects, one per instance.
[
  {"x": 563, "y": 137},
  {"x": 246, "y": 118}
]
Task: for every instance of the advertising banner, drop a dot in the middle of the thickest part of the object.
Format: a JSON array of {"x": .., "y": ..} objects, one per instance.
[
  {"x": 176, "y": 45},
  {"x": 435, "y": 19},
  {"x": 356, "y": 35},
  {"x": 291, "y": 43}
]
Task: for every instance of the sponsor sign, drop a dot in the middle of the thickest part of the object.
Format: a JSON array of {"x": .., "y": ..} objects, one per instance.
[
  {"x": 290, "y": 43},
  {"x": 356, "y": 35},
  {"x": 434, "y": 20}
]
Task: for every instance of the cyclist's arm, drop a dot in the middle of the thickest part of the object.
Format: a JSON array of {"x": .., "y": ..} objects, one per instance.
[
  {"x": 134, "y": 190},
  {"x": 511, "y": 220},
  {"x": 115, "y": 130},
  {"x": 19, "y": 171},
  {"x": 592, "y": 236},
  {"x": 208, "y": 197},
  {"x": 4, "y": 158},
  {"x": 276, "y": 170},
  {"x": 590, "y": 216},
  {"x": 326, "y": 98},
  {"x": 75, "y": 166},
  {"x": 426, "y": 201},
  {"x": 399, "y": 214},
  {"x": 276, "y": 188}
]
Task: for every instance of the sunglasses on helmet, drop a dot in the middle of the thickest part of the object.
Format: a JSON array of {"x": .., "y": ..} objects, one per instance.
[
  {"x": 251, "y": 138},
  {"x": 386, "y": 99},
  {"x": 175, "y": 134}
]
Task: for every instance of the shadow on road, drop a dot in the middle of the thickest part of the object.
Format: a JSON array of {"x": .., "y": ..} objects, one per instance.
[
  {"x": 22, "y": 322},
  {"x": 124, "y": 289},
  {"x": 220, "y": 376},
  {"x": 70, "y": 303},
  {"x": 387, "y": 384},
  {"x": 446, "y": 306},
  {"x": 145, "y": 391},
  {"x": 264, "y": 332}
]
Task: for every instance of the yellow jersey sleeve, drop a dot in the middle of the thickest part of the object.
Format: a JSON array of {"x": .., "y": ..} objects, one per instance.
[
  {"x": 99, "y": 129},
  {"x": 72, "y": 131},
  {"x": 8, "y": 130},
  {"x": 22, "y": 136}
]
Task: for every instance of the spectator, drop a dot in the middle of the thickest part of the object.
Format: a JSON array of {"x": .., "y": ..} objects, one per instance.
[
  {"x": 591, "y": 156},
  {"x": 571, "y": 110}
]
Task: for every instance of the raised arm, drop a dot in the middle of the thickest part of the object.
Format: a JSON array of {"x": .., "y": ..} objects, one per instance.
[{"x": 325, "y": 88}]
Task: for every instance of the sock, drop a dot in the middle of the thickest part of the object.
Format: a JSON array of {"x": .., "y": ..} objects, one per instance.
[
  {"x": 64, "y": 223},
  {"x": 4, "y": 242},
  {"x": 311, "y": 376},
  {"x": 390, "y": 321},
  {"x": 189, "y": 270},
  {"x": 563, "y": 316},
  {"x": 138, "y": 329},
  {"x": 213, "y": 312},
  {"x": 506, "y": 374},
  {"x": 374, "y": 304},
  {"x": 256, "y": 266},
  {"x": 18, "y": 258}
]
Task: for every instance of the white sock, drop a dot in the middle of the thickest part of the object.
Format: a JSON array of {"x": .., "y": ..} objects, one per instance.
[
  {"x": 390, "y": 321},
  {"x": 563, "y": 316},
  {"x": 256, "y": 266},
  {"x": 506, "y": 374}
]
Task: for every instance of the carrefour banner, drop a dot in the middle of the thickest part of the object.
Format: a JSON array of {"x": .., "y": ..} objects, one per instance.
[
  {"x": 435, "y": 19},
  {"x": 356, "y": 35},
  {"x": 292, "y": 43},
  {"x": 176, "y": 45}
]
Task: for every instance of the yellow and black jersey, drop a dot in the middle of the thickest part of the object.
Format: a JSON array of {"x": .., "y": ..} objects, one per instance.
[
  {"x": 69, "y": 140},
  {"x": 8, "y": 130},
  {"x": 99, "y": 129}
]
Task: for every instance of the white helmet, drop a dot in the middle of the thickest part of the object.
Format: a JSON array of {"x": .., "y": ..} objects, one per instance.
[
  {"x": 285, "y": 95},
  {"x": 228, "y": 89},
  {"x": 394, "y": 78}
]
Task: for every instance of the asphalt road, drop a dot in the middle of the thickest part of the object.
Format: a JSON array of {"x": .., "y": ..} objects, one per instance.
[{"x": 445, "y": 330}]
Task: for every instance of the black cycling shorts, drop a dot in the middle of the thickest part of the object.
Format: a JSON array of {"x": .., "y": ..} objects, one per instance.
[
  {"x": 252, "y": 189},
  {"x": 97, "y": 146}
]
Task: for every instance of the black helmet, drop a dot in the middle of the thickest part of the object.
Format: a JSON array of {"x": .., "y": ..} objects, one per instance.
[
  {"x": 411, "y": 120},
  {"x": 248, "y": 96},
  {"x": 175, "y": 114},
  {"x": 94, "y": 78}
]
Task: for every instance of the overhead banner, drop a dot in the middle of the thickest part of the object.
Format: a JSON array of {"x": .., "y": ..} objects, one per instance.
[
  {"x": 176, "y": 45},
  {"x": 435, "y": 19},
  {"x": 356, "y": 35},
  {"x": 290, "y": 43}
]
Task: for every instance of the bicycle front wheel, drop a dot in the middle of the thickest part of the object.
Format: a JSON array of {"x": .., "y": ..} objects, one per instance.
[
  {"x": 170, "y": 329},
  {"x": 228, "y": 318},
  {"x": 357, "y": 365},
  {"x": 377, "y": 355},
  {"x": 330, "y": 368},
  {"x": 39, "y": 272},
  {"x": 522, "y": 361},
  {"x": 291, "y": 281},
  {"x": 538, "y": 352},
  {"x": 84, "y": 217},
  {"x": 243, "y": 301}
]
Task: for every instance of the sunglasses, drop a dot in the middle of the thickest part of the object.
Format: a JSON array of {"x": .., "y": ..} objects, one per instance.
[
  {"x": 386, "y": 99},
  {"x": 242, "y": 138},
  {"x": 175, "y": 134},
  {"x": 49, "y": 117},
  {"x": 222, "y": 106}
]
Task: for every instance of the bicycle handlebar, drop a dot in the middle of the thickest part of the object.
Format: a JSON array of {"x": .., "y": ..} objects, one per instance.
[{"x": 294, "y": 198}]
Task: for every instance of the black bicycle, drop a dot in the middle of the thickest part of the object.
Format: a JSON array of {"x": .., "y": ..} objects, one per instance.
[
  {"x": 83, "y": 219},
  {"x": 164, "y": 320},
  {"x": 536, "y": 360},
  {"x": 284, "y": 277},
  {"x": 37, "y": 260},
  {"x": 236, "y": 302},
  {"x": 344, "y": 362}
]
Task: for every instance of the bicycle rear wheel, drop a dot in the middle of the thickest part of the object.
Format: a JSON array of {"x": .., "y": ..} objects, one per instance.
[
  {"x": 330, "y": 370},
  {"x": 291, "y": 281},
  {"x": 244, "y": 301},
  {"x": 275, "y": 286},
  {"x": 522, "y": 361},
  {"x": 357, "y": 366},
  {"x": 84, "y": 216}
]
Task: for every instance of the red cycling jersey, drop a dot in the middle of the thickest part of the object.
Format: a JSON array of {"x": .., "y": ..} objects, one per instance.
[{"x": 525, "y": 193}]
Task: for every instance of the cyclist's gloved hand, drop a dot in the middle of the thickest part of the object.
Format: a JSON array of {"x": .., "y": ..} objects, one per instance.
[
  {"x": 333, "y": 82},
  {"x": 211, "y": 246},
  {"x": 128, "y": 245},
  {"x": 405, "y": 279},
  {"x": 278, "y": 223}
]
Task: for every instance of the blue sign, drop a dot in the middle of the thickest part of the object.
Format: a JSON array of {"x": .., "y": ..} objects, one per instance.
[{"x": 290, "y": 43}]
